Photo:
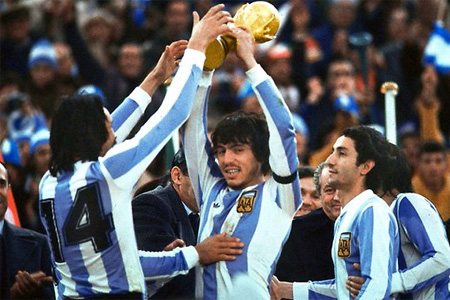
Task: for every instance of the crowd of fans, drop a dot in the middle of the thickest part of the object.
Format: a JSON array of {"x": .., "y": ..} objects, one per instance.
[{"x": 50, "y": 49}]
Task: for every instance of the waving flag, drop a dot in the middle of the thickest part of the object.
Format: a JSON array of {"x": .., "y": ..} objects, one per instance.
[{"x": 438, "y": 49}]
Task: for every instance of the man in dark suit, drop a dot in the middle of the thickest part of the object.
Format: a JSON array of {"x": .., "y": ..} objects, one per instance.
[
  {"x": 307, "y": 252},
  {"x": 24, "y": 256},
  {"x": 166, "y": 214}
]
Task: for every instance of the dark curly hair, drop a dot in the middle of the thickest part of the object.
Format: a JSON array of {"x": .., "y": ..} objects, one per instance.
[
  {"x": 245, "y": 128},
  {"x": 371, "y": 145},
  {"x": 399, "y": 176},
  {"x": 78, "y": 132}
]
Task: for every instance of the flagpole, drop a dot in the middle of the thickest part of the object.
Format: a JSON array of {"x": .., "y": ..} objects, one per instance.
[{"x": 390, "y": 89}]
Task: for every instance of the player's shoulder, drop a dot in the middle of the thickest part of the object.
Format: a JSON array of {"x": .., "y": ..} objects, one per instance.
[{"x": 414, "y": 201}]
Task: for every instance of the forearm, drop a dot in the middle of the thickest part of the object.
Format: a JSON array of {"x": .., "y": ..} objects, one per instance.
[
  {"x": 429, "y": 123},
  {"x": 166, "y": 264},
  {"x": 129, "y": 112},
  {"x": 155, "y": 133},
  {"x": 196, "y": 144},
  {"x": 426, "y": 233},
  {"x": 314, "y": 290},
  {"x": 283, "y": 157},
  {"x": 151, "y": 82}
]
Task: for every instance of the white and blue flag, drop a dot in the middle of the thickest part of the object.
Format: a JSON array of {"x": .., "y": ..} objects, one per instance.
[{"x": 438, "y": 48}]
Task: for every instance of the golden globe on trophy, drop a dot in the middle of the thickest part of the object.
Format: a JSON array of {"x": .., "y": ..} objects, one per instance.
[{"x": 260, "y": 18}]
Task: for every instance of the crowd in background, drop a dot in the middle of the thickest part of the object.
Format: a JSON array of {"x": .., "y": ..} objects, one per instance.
[{"x": 50, "y": 49}]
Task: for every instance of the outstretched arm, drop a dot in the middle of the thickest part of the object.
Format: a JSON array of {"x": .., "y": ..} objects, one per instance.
[
  {"x": 166, "y": 264},
  {"x": 203, "y": 170},
  {"x": 283, "y": 157},
  {"x": 126, "y": 161},
  {"x": 132, "y": 108}
]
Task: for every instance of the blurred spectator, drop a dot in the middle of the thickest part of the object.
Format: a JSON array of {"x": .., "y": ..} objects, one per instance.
[
  {"x": 66, "y": 63},
  {"x": 10, "y": 83},
  {"x": 432, "y": 179},
  {"x": 402, "y": 63},
  {"x": 302, "y": 137},
  {"x": 24, "y": 119},
  {"x": 410, "y": 144},
  {"x": 97, "y": 29},
  {"x": 176, "y": 26},
  {"x": 428, "y": 105},
  {"x": 397, "y": 26},
  {"x": 229, "y": 88},
  {"x": 305, "y": 49},
  {"x": 320, "y": 106},
  {"x": 373, "y": 14},
  {"x": 333, "y": 35},
  {"x": 16, "y": 38},
  {"x": 43, "y": 84},
  {"x": 279, "y": 66},
  {"x": 40, "y": 154},
  {"x": 115, "y": 81}
]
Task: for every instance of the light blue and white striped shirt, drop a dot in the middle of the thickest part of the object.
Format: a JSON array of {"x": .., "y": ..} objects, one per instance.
[
  {"x": 87, "y": 213},
  {"x": 424, "y": 257},
  {"x": 366, "y": 232},
  {"x": 263, "y": 229}
]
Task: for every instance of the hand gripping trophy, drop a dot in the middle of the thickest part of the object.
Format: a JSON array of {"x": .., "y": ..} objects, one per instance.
[{"x": 260, "y": 18}]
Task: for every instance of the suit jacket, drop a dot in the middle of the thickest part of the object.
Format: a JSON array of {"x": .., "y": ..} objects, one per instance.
[
  {"x": 307, "y": 252},
  {"x": 27, "y": 250},
  {"x": 159, "y": 218}
]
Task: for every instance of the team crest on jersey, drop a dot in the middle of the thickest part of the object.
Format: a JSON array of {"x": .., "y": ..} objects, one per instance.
[
  {"x": 344, "y": 249},
  {"x": 246, "y": 202}
]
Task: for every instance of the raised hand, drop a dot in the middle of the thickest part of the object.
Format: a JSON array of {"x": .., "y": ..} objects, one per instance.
[
  {"x": 169, "y": 60},
  {"x": 217, "y": 248},
  {"x": 245, "y": 47},
  {"x": 164, "y": 68},
  {"x": 206, "y": 29}
]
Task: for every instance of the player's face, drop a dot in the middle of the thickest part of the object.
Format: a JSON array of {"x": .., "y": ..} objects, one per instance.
[
  {"x": 310, "y": 197},
  {"x": 328, "y": 196},
  {"x": 3, "y": 191},
  {"x": 342, "y": 164},
  {"x": 111, "y": 140},
  {"x": 239, "y": 165}
]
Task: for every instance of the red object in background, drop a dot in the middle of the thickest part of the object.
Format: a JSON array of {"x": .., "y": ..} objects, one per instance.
[{"x": 11, "y": 213}]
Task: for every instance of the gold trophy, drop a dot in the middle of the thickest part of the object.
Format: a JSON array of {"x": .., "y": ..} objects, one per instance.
[{"x": 260, "y": 18}]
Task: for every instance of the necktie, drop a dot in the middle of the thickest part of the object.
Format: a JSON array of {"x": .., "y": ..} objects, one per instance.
[{"x": 195, "y": 220}]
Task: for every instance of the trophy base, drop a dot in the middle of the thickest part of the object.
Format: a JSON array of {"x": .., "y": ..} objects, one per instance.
[{"x": 215, "y": 54}]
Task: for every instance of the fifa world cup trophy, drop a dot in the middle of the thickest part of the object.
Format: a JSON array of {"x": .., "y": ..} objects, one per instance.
[{"x": 260, "y": 18}]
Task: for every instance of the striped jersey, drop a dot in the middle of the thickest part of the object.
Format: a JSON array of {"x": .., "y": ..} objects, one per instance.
[
  {"x": 424, "y": 257},
  {"x": 87, "y": 213},
  {"x": 366, "y": 232},
  {"x": 259, "y": 215}
]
